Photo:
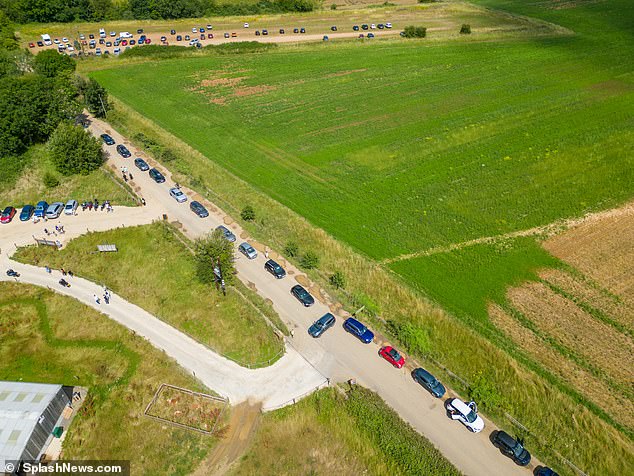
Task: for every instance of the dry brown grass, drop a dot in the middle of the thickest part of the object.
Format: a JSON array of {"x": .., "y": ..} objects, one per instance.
[
  {"x": 600, "y": 344},
  {"x": 582, "y": 380},
  {"x": 583, "y": 291},
  {"x": 603, "y": 249}
]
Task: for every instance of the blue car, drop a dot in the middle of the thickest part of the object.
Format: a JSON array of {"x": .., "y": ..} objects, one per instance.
[
  {"x": 27, "y": 212},
  {"x": 321, "y": 325},
  {"x": 358, "y": 330},
  {"x": 123, "y": 151},
  {"x": 141, "y": 164},
  {"x": 302, "y": 295},
  {"x": 40, "y": 209}
]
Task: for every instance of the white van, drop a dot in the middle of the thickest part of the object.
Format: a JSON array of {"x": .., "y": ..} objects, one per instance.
[
  {"x": 102, "y": 33},
  {"x": 47, "y": 40},
  {"x": 126, "y": 34}
]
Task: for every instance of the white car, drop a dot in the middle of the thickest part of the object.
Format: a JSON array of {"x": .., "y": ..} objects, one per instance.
[
  {"x": 70, "y": 48},
  {"x": 210, "y": 27},
  {"x": 117, "y": 51},
  {"x": 179, "y": 196},
  {"x": 70, "y": 207},
  {"x": 194, "y": 30},
  {"x": 126, "y": 35},
  {"x": 388, "y": 25},
  {"x": 373, "y": 26},
  {"x": 246, "y": 25},
  {"x": 194, "y": 41},
  {"x": 65, "y": 40},
  {"x": 465, "y": 413},
  {"x": 57, "y": 42}
]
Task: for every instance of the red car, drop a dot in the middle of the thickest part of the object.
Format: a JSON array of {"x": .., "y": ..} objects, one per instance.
[
  {"x": 7, "y": 215},
  {"x": 392, "y": 356},
  {"x": 31, "y": 45}
]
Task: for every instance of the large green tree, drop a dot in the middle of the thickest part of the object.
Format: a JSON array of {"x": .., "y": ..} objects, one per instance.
[
  {"x": 50, "y": 63},
  {"x": 95, "y": 96},
  {"x": 74, "y": 150},
  {"x": 210, "y": 250}
]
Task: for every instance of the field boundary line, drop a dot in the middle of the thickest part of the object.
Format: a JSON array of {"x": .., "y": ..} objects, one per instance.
[{"x": 548, "y": 230}]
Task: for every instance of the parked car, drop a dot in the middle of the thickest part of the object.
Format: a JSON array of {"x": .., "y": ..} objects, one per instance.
[
  {"x": 132, "y": 43},
  {"x": 265, "y": 32},
  {"x": 226, "y": 35},
  {"x": 234, "y": 34},
  {"x": 392, "y": 355},
  {"x": 325, "y": 38},
  {"x": 257, "y": 32},
  {"x": 40, "y": 44},
  {"x": 302, "y": 295},
  {"x": 247, "y": 250},
  {"x": 141, "y": 164},
  {"x": 193, "y": 42},
  {"x": 7, "y": 214},
  {"x": 107, "y": 139},
  {"x": 465, "y": 413},
  {"x": 275, "y": 269},
  {"x": 321, "y": 325},
  {"x": 139, "y": 31},
  {"x": 295, "y": 30},
  {"x": 179, "y": 38},
  {"x": 358, "y": 330},
  {"x": 364, "y": 27},
  {"x": 227, "y": 233},
  {"x": 123, "y": 151},
  {"x": 380, "y": 26},
  {"x": 201, "y": 30},
  {"x": 178, "y": 195},
  {"x": 210, "y": 36},
  {"x": 545, "y": 471},
  {"x": 113, "y": 33},
  {"x": 54, "y": 210},
  {"x": 210, "y": 26},
  {"x": 163, "y": 39},
  {"x": 246, "y": 25},
  {"x": 27, "y": 212},
  {"x": 71, "y": 206},
  {"x": 109, "y": 44},
  {"x": 355, "y": 28},
  {"x": 198, "y": 209},
  {"x": 98, "y": 52},
  {"x": 31, "y": 45},
  {"x": 511, "y": 447},
  {"x": 172, "y": 32},
  {"x": 302, "y": 30},
  {"x": 156, "y": 176},
  {"x": 370, "y": 35},
  {"x": 388, "y": 25},
  {"x": 429, "y": 382},
  {"x": 40, "y": 209},
  {"x": 91, "y": 36},
  {"x": 333, "y": 28}
]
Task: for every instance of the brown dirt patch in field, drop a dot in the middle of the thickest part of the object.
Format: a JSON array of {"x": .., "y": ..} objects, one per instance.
[
  {"x": 227, "y": 82},
  {"x": 603, "y": 249},
  {"x": 560, "y": 318},
  {"x": 338, "y": 74},
  {"x": 582, "y": 380},
  {"x": 220, "y": 89},
  {"x": 585, "y": 292},
  {"x": 253, "y": 90}
]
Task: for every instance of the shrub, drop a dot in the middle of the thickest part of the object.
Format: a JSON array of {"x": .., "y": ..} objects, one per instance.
[
  {"x": 50, "y": 180},
  {"x": 248, "y": 213},
  {"x": 333, "y": 6},
  {"x": 208, "y": 251},
  {"x": 74, "y": 150},
  {"x": 96, "y": 97},
  {"x": 338, "y": 280},
  {"x": 310, "y": 260},
  {"x": 50, "y": 63},
  {"x": 484, "y": 393},
  {"x": 465, "y": 29},
  {"x": 412, "y": 31},
  {"x": 415, "y": 339},
  {"x": 167, "y": 155},
  {"x": 291, "y": 249}
]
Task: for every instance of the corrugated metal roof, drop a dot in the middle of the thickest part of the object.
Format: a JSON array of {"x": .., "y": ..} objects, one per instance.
[{"x": 21, "y": 405}]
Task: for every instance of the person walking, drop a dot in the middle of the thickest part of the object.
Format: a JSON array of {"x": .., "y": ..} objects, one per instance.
[
  {"x": 70, "y": 273},
  {"x": 48, "y": 270},
  {"x": 97, "y": 300},
  {"x": 106, "y": 298},
  {"x": 143, "y": 201},
  {"x": 63, "y": 271}
]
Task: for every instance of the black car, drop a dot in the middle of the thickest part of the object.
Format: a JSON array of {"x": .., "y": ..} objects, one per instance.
[
  {"x": 321, "y": 325},
  {"x": 123, "y": 151},
  {"x": 275, "y": 269},
  {"x": 281, "y": 31},
  {"x": 107, "y": 139},
  {"x": 428, "y": 381},
  {"x": 512, "y": 448},
  {"x": 545, "y": 471},
  {"x": 109, "y": 44},
  {"x": 139, "y": 31},
  {"x": 179, "y": 38},
  {"x": 172, "y": 32},
  {"x": 40, "y": 43},
  {"x": 141, "y": 164},
  {"x": 295, "y": 30},
  {"x": 333, "y": 28},
  {"x": 91, "y": 36},
  {"x": 355, "y": 28},
  {"x": 132, "y": 42},
  {"x": 156, "y": 176},
  {"x": 265, "y": 32},
  {"x": 198, "y": 209},
  {"x": 364, "y": 27},
  {"x": 302, "y": 30},
  {"x": 302, "y": 295}
]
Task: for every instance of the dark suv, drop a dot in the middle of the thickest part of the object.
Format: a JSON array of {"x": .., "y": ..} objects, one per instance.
[
  {"x": 107, "y": 139},
  {"x": 321, "y": 325},
  {"x": 512, "y": 448},
  {"x": 123, "y": 151},
  {"x": 302, "y": 295},
  {"x": 198, "y": 209},
  {"x": 275, "y": 269},
  {"x": 428, "y": 381},
  {"x": 156, "y": 176}
]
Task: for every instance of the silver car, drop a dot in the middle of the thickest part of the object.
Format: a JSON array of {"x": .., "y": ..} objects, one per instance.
[
  {"x": 71, "y": 206},
  {"x": 179, "y": 196},
  {"x": 247, "y": 250},
  {"x": 54, "y": 210}
]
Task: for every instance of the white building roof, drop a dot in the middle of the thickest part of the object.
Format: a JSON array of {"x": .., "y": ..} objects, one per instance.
[{"x": 21, "y": 405}]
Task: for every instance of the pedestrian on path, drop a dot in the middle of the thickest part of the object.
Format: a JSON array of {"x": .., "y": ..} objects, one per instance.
[
  {"x": 125, "y": 178},
  {"x": 130, "y": 174},
  {"x": 70, "y": 273},
  {"x": 46, "y": 231},
  {"x": 106, "y": 298},
  {"x": 266, "y": 254},
  {"x": 48, "y": 270},
  {"x": 97, "y": 300},
  {"x": 63, "y": 271},
  {"x": 143, "y": 201}
]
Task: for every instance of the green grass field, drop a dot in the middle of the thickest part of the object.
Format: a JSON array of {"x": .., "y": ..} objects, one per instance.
[
  {"x": 397, "y": 147},
  {"x": 22, "y": 182},
  {"x": 327, "y": 433},
  {"x": 53, "y": 339},
  {"x": 155, "y": 271}
]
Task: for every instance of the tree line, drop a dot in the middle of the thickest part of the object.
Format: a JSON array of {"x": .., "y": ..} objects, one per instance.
[
  {"x": 40, "y": 101},
  {"x": 64, "y": 11}
]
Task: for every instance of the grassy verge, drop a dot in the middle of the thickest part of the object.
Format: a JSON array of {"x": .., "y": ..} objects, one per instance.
[
  {"x": 24, "y": 182},
  {"x": 53, "y": 339},
  {"x": 155, "y": 271},
  {"x": 327, "y": 433}
]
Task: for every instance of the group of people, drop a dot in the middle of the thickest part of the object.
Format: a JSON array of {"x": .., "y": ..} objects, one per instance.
[
  {"x": 126, "y": 174},
  {"x": 94, "y": 205},
  {"x": 58, "y": 229},
  {"x": 106, "y": 296}
]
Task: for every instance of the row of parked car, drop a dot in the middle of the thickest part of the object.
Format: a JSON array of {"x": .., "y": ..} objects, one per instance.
[
  {"x": 465, "y": 412},
  {"x": 41, "y": 210}
]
